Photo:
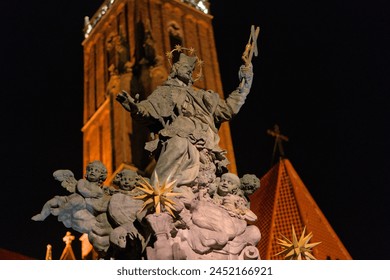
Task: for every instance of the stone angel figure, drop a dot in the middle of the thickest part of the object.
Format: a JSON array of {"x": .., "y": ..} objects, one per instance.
[
  {"x": 77, "y": 209},
  {"x": 67, "y": 179},
  {"x": 55, "y": 205}
]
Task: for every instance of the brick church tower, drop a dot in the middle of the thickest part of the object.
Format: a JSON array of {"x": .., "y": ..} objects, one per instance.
[{"x": 124, "y": 49}]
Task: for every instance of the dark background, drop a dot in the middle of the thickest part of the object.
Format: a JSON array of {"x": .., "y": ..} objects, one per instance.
[{"x": 321, "y": 75}]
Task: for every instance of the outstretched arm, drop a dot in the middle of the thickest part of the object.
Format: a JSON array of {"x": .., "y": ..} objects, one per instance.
[
  {"x": 229, "y": 107},
  {"x": 132, "y": 105}
]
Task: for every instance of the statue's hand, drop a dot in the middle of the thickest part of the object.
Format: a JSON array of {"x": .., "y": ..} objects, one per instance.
[
  {"x": 122, "y": 97},
  {"x": 125, "y": 99},
  {"x": 246, "y": 72}
]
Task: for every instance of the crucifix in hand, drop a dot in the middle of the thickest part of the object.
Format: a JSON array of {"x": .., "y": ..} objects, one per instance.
[
  {"x": 250, "y": 49},
  {"x": 251, "y": 46},
  {"x": 278, "y": 141}
]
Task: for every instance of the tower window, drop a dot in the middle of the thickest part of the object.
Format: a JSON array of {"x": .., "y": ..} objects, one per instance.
[{"x": 175, "y": 38}]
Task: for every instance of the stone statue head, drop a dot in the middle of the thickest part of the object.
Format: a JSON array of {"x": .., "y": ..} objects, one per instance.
[
  {"x": 96, "y": 171},
  {"x": 187, "y": 60},
  {"x": 183, "y": 68},
  {"x": 229, "y": 182},
  {"x": 126, "y": 179},
  {"x": 249, "y": 184},
  {"x": 118, "y": 237}
]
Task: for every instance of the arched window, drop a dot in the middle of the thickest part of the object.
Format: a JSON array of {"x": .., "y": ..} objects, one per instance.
[{"x": 175, "y": 38}]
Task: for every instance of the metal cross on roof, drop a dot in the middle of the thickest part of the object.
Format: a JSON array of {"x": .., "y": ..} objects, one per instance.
[
  {"x": 68, "y": 238},
  {"x": 278, "y": 141}
]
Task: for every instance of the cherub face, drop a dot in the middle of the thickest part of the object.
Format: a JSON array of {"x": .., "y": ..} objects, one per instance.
[
  {"x": 127, "y": 179},
  {"x": 122, "y": 241},
  {"x": 94, "y": 173},
  {"x": 127, "y": 183},
  {"x": 118, "y": 237},
  {"x": 227, "y": 184},
  {"x": 250, "y": 189}
]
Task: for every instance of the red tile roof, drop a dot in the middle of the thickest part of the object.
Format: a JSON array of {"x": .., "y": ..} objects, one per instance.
[{"x": 282, "y": 201}]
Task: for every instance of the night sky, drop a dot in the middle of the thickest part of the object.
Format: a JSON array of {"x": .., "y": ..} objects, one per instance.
[{"x": 322, "y": 75}]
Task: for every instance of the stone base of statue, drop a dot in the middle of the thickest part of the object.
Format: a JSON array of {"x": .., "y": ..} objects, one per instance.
[
  {"x": 162, "y": 247},
  {"x": 202, "y": 230},
  {"x": 159, "y": 222}
]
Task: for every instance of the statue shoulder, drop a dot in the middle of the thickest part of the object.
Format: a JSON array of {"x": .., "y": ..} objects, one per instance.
[
  {"x": 210, "y": 98},
  {"x": 162, "y": 92}
]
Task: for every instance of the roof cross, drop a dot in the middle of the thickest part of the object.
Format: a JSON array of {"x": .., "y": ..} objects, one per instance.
[
  {"x": 67, "y": 253},
  {"x": 278, "y": 141},
  {"x": 68, "y": 238}
]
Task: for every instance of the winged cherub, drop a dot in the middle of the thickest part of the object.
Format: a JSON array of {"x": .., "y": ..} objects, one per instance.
[{"x": 77, "y": 209}]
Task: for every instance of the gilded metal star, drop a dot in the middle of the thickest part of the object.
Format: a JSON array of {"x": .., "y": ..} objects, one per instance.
[
  {"x": 178, "y": 48},
  {"x": 297, "y": 249},
  {"x": 157, "y": 196}
]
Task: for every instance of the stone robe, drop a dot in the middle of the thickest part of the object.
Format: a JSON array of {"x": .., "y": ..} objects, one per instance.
[{"x": 188, "y": 122}]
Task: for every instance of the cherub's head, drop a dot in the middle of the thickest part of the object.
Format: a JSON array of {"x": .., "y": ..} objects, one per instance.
[
  {"x": 249, "y": 184},
  {"x": 126, "y": 179},
  {"x": 96, "y": 171},
  {"x": 229, "y": 182},
  {"x": 118, "y": 237}
]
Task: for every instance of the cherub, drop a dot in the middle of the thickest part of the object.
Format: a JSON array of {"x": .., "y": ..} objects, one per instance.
[
  {"x": 234, "y": 204},
  {"x": 73, "y": 210},
  {"x": 229, "y": 182},
  {"x": 123, "y": 208},
  {"x": 221, "y": 223},
  {"x": 126, "y": 180},
  {"x": 123, "y": 211},
  {"x": 249, "y": 183},
  {"x": 117, "y": 211},
  {"x": 91, "y": 188}
]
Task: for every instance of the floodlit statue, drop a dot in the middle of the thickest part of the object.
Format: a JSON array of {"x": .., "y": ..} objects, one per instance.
[
  {"x": 186, "y": 120},
  {"x": 191, "y": 207},
  {"x": 208, "y": 217}
]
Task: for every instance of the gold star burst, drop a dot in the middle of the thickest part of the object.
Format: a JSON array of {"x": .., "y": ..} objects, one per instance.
[
  {"x": 297, "y": 249},
  {"x": 157, "y": 196}
]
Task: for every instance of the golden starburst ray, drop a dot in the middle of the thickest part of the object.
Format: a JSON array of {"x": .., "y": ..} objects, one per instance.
[
  {"x": 158, "y": 196},
  {"x": 297, "y": 249}
]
